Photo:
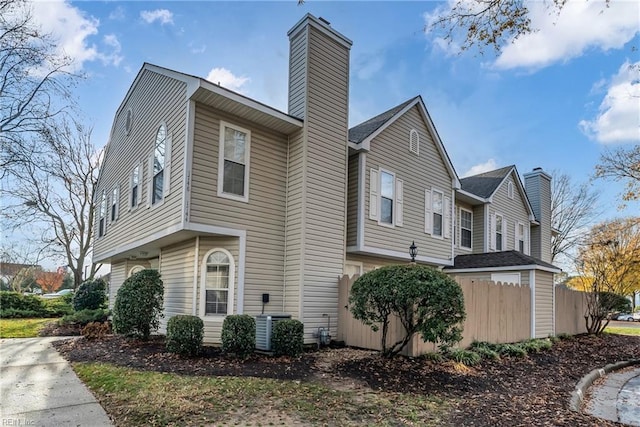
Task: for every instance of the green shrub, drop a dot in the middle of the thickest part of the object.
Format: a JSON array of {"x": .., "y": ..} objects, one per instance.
[
  {"x": 138, "y": 306},
  {"x": 18, "y": 301},
  {"x": 485, "y": 350},
  {"x": 466, "y": 357},
  {"x": 427, "y": 301},
  {"x": 512, "y": 350},
  {"x": 184, "y": 335},
  {"x": 84, "y": 317},
  {"x": 433, "y": 356},
  {"x": 287, "y": 338},
  {"x": 57, "y": 307},
  {"x": 90, "y": 295},
  {"x": 535, "y": 345},
  {"x": 565, "y": 336},
  {"x": 12, "y": 313},
  {"x": 239, "y": 335}
]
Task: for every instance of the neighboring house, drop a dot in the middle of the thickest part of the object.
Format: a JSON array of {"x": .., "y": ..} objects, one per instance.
[
  {"x": 231, "y": 199},
  {"x": 8, "y": 271}
]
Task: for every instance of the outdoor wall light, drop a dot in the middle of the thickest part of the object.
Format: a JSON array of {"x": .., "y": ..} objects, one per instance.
[{"x": 413, "y": 251}]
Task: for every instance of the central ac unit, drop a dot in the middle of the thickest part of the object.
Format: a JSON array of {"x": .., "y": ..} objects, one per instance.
[{"x": 264, "y": 328}]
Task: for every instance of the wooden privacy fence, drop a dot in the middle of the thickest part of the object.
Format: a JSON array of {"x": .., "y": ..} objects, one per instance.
[
  {"x": 570, "y": 309},
  {"x": 496, "y": 313}
]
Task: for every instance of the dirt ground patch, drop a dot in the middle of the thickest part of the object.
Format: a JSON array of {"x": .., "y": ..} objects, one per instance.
[{"x": 530, "y": 391}]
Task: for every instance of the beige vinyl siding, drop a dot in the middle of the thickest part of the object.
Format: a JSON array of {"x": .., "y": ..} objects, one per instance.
[
  {"x": 370, "y": 263},
  {"x": 176, "y": 269},
  {"x": 118, "y": 276},
  {"x": 326, "y": 178},
  {"x": 297, "y": 75},
  {"x": 544, "y": 303},
  {"x": 263, "y": 216},
  {"x": 486, "y": 275},
  {"x": 459, "y": 250},
  {"x": 294, "y": 226},
  {"x": 479, "y": 229},
  {"x": 390, "y": 151},
  {"x": 352, "y": 201},
  {"x": 512, "y": 211},
  {"x": 155, "y": 99}
]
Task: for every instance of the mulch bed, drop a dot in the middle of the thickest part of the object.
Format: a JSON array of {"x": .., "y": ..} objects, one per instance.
[{"x": 531, "y": 391}]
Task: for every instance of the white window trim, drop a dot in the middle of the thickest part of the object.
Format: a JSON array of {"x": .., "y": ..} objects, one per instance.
[
  {"x": 393, "y": 200},
  {"x": 460, "y": 230},
  {"x": 137, "y": 266},
  {"x": 140, "y": 186},
  {"x": 503, "y": 233},
  {"x": 435, "y": 236},
  {"x": 247, "y": 164},
  {"x": 415, "y": 133},
  {"x": 103, "y": 210},
  {"x": 166, "y": 178},
  {"x": 115, "y": 199},
  {"x": 203, "y": 289}
]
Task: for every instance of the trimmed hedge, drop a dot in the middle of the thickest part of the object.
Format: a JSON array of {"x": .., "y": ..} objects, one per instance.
[
  {"x": 287, "y": 338},
  {"x": 138, "y": 306},
  {"x": 239, "y": 335},
  {"x": 16, "y": 305},
  {"x": 185, "y": 334},
  {"x": 84, "y": 317},
  {"x": 90, "y": 295}
]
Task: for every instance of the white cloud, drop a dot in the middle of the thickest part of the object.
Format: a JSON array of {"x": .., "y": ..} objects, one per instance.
[
  {"x": 368, "y": 66},
  {"x": 114, "y": 56},
  {"x": 117, "y": 14},
  {"x": 580, "y": 25},
  {"x": 487, "y": 166},
  {"x": 164, "y": 16},
  {"x": 70, "y": 27},
  {"x": 618, "y": 118},
  {"x": 227, "y": 79},
  {"x": 196, "y": 49}
]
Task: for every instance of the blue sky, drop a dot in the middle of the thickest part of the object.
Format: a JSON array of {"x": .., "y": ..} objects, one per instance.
[{"x": 554, "y": 99}]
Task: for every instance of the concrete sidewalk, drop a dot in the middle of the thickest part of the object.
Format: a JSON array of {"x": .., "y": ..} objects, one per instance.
[
  {"x": 39, "y": 388},
  {"x": 616, "y": 397}
]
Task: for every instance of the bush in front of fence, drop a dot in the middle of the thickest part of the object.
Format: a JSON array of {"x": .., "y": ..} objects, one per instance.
[{"x": 426, "y": 300}]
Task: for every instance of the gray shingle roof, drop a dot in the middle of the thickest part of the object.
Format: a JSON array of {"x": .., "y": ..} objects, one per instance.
[
  {"x": 497, "y": 259},
  {"x": 359, "y": 133},
  {"x": 485, "y": 184}
]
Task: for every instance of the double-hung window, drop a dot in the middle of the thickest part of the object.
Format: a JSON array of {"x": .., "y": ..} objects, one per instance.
[
  {"x": 217, "y": 285},
  {"x": 520, "y": 239},
  {"x": 386, "y": 197},
  {"x": 114, "y": 204},
  {"x": 157, "y": 185},
  {"x": 466, "y": 219},
  {"x": 233, "y": 166},
  {"x": 437, "y": 207},
  {"x": 499, "y": 232},
  {"x": 135, "y": 187},
  {"x": 102, "y": 219}
]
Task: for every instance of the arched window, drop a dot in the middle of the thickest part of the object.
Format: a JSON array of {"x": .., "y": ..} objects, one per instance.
[
  {"x": 159, "y": 164},
  {"x": 414, "y": 141},
  {"x": 217, "y": 283},
  {"x": 135, "y": 269},
  {"x": 510, "y": 190}
]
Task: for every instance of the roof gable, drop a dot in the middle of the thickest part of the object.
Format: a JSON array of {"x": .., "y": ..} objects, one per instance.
[
  {"x": 485, "y": 184},
  {"x": 360, "y": 136}
]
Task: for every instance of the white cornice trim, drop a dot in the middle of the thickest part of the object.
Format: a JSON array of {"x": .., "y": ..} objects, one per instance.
[{"x": 508, "y": 268}]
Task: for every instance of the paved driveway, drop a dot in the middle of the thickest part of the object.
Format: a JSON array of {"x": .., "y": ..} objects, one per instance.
[{"x": 39, "y": 388}]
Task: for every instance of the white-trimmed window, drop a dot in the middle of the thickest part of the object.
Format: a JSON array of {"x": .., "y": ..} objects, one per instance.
[
  {"x": 385, "y": 198},
  {"x": 414, "y": 141},
  {"x": 506, "y": 278},
  {"x": 216, "y": 297},
  {"x": 159, "y": 162},
  {"x": 135, "y": 269},
  {"x": 510, "y": 189},
  {"x": 233, "y": 162},
  {"x": 521, "y": 238},
  {"x": 114, "y": 211},
  {"x": 499, "y": 234},
  {"x": 102, "y": 215},
  {"x": 466, "y": 221},
  {"x": 134, "y": 185},
  {"x": 437, "y": 214}
]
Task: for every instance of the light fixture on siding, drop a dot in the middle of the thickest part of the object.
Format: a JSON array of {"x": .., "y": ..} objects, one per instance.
[{"x": 413, "y": 251}]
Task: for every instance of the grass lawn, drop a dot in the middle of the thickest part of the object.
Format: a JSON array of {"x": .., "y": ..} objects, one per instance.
[
  {"x": 22, "y": 328},
  {"x": 137, "y": 398},
  {"x": 621, "y": 330}
]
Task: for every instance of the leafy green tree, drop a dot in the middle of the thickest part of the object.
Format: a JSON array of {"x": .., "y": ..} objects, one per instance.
[
  {"x": 138, "y": 306},
  {"x": 426, "y": 301}
]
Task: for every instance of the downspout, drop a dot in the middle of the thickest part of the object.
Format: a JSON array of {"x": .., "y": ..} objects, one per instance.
[
  {"x": 194, "y": 300},
  {"x": 286, "y": 228}
]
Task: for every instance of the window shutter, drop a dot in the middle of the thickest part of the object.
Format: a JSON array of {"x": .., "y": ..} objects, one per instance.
[
  {"x": 150, "y": 181},
  {"x": 516, "y": 236},
  {"x": 399, "y": 203},
  {"x": 492, "y": 232},
  {"x": 447, "y": 218},
  {"x": 527, "y": 249},
  {"x": 117, "y": 201},
  {"x": 167, "y": 167},
  {"x": 428, "y": 217},
  {"x": 505, "y": 226},
  {"x": 373, "y": 194}
]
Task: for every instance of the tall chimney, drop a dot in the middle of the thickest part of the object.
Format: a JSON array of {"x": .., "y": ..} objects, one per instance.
[
  {"x": 538, "y": 187},
  {"x": 315, "y": 223}
]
